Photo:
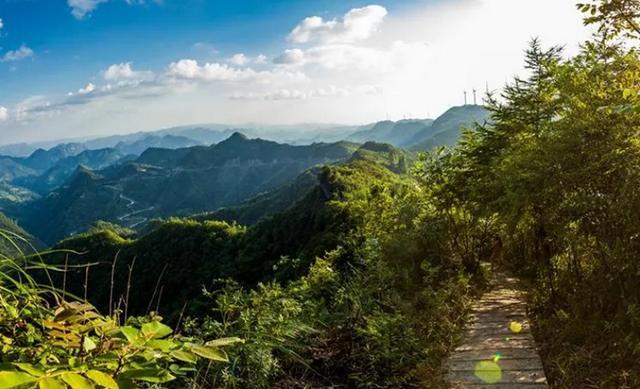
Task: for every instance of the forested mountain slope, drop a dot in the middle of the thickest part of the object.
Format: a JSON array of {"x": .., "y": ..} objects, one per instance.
[
  {"x": 447, "y": 129},
  {"x": 188, "y": 181},
  {"x": 334, "y": 248}
]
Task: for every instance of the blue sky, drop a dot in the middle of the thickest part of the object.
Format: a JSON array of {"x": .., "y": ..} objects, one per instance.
[
  {"x": 150, "y": 35},
  {"x": 93, "y": 67}
]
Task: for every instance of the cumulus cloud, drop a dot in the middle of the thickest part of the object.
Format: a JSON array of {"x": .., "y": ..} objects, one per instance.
[
  {"x": 191, "y": 70},
  {"x": 357, "y": 24},
  {"x": 4, "y": 114},
  {"x": 1, "y": 24},
  {"x": 90, "y": 87},
  {"x": 239, "y": 59},
  {"x": 261, "y": 59},
  {"x": 16, "y": 55},
  {"x": 124, "y": 71}
]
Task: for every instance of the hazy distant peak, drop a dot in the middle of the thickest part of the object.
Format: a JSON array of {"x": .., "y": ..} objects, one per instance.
[{"x": 237, "y": 137}]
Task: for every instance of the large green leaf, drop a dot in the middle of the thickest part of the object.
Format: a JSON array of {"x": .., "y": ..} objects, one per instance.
[
  {"x": 102, "y": 379},
  {"x": 76, "y": 381},
  {"x": 211, "y": 353},
  {"x": 29, "y": 368},
  {"x": 162, "y": 345},
  {"x": 156, "y": 330},
  {"x": 50, "y": 383},
  {"x": 184, "y": 356},
  {"x": 130, "y": 333},
  {"x": 14, "y": 379}
]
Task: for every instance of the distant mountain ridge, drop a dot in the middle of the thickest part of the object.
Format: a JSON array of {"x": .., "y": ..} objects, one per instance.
[
  {"x": 186, "y": 181},
  {"x": 207, "y": 134}
]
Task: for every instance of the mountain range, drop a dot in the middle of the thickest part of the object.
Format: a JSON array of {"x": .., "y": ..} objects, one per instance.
[{"x": 209, "y": 170}]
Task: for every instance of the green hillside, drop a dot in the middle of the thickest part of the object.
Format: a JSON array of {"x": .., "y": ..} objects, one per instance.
[
  {"x": 13, "y": 239},
  {"x": 216, "y": 250},
  {"x": 447, "y": 129},
  {"x": 400, "y": 133},
  {"x": 278, "y": 200}
]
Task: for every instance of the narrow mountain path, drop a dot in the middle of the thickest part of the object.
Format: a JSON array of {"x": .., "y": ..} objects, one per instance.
[{"x": 498, "y": 350}]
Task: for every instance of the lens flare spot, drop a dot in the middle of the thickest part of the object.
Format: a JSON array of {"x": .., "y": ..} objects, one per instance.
[
  {"x": 515, "y": 327},
  {"x": 497, "y": 357},
  {"x": 488, "y": 372}
]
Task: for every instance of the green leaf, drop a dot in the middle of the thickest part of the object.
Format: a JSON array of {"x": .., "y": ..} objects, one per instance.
[
  {"x": 185, "y": 356},
  {"x": 102, "y": 379},
  {"x": 162, "y": 345},
  {"x": 156, "y": 330},
  {"x": 224, "y": 342},
  {"x": 130, "y": 333},
  {"x": 211, "y": 353},
  {"x": 88, "y": 344},
  {"x": 14, "y": 379},
  {"x": 29, "y": 369},
  {"x": 148, "y": 375},
  {"x": 50, "y": 383},
  {"x": 76, "y": 381}
]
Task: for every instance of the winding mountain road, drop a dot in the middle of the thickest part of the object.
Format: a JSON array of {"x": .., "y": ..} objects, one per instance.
[{"x": 131, "y": 216}]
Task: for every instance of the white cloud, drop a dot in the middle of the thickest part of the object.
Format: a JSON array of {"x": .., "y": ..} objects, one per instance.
[
  {"x": 261, "y": 59},
  {"x": 191, "y": 70},
  {"x": 1, "y": 24},
  {"x": 124, "y": 71},
  {"x": 239, "y": 59},
  {"x": 357, "y": 24},
  {"x": 81, "y": 8},
  {"x": 290, "y": 57},
  {"x": 90, "y": 87},
  {"x": 21, "y": 53},
  {"x": 4, "y": 114}
]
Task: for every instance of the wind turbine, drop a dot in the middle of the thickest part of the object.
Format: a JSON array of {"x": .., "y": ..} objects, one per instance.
[
  {"x": 465, "y": 97},
  {"x": 475, "y": 102}
]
